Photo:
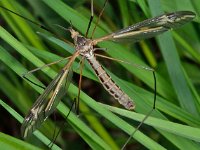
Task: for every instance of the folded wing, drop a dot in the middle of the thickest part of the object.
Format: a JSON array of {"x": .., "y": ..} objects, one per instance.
[{"x": 46, "y": 102}]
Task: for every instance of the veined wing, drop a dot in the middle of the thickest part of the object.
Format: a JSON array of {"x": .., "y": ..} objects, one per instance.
[
  {"x": 46, "y": 102},
  {"x": 151, "y": 27}
]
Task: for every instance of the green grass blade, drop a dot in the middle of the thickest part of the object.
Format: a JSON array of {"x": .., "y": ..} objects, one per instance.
[
  {"x": 175, "y": 69},
  {"x": 11, "y": 143}
]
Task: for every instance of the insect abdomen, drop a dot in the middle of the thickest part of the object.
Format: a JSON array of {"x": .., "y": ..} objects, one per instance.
[{"x": 110, "y": 85}]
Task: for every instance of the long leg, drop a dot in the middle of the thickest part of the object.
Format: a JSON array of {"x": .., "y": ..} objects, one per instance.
[
  {"x": 147, "y": 115},
  {"x": 123, "y": 61},
  {"x": 55, "y": 135},
  {"x": 91, "y": 18},
  {"x": 40, "y": 68},
  {"x": 79, "y": 86},
  {"x": 99, "y": 18}
]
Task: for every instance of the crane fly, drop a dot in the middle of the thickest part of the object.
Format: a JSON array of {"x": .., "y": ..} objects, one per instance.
[
  {"x": 45, "y": 104},
  {"x": 85, "y": 47}
]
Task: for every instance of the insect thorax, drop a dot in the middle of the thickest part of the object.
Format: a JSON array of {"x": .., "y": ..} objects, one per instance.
[{"x": 84, "y": 46}]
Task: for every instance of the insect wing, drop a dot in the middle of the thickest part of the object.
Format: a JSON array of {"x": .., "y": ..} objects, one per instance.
[
  {"x": 46, "y": 102},
  {"x": 151, "y": 27},
  {"x": 154, "y": 26}
]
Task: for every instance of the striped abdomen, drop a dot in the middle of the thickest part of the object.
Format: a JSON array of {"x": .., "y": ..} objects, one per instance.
[{"x": 110, "y": 85}]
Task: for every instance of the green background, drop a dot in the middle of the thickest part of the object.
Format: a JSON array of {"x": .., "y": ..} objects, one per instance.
[{"x": 102, "y": 123}]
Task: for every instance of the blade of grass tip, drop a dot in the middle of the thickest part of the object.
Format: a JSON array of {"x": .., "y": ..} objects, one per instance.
[{"x": 174, "y": 67}]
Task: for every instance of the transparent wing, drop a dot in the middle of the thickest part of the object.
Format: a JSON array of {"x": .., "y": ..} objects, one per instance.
[
  {"x": 46, "y": 102},
  {"x": 151, "y": 27}
]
